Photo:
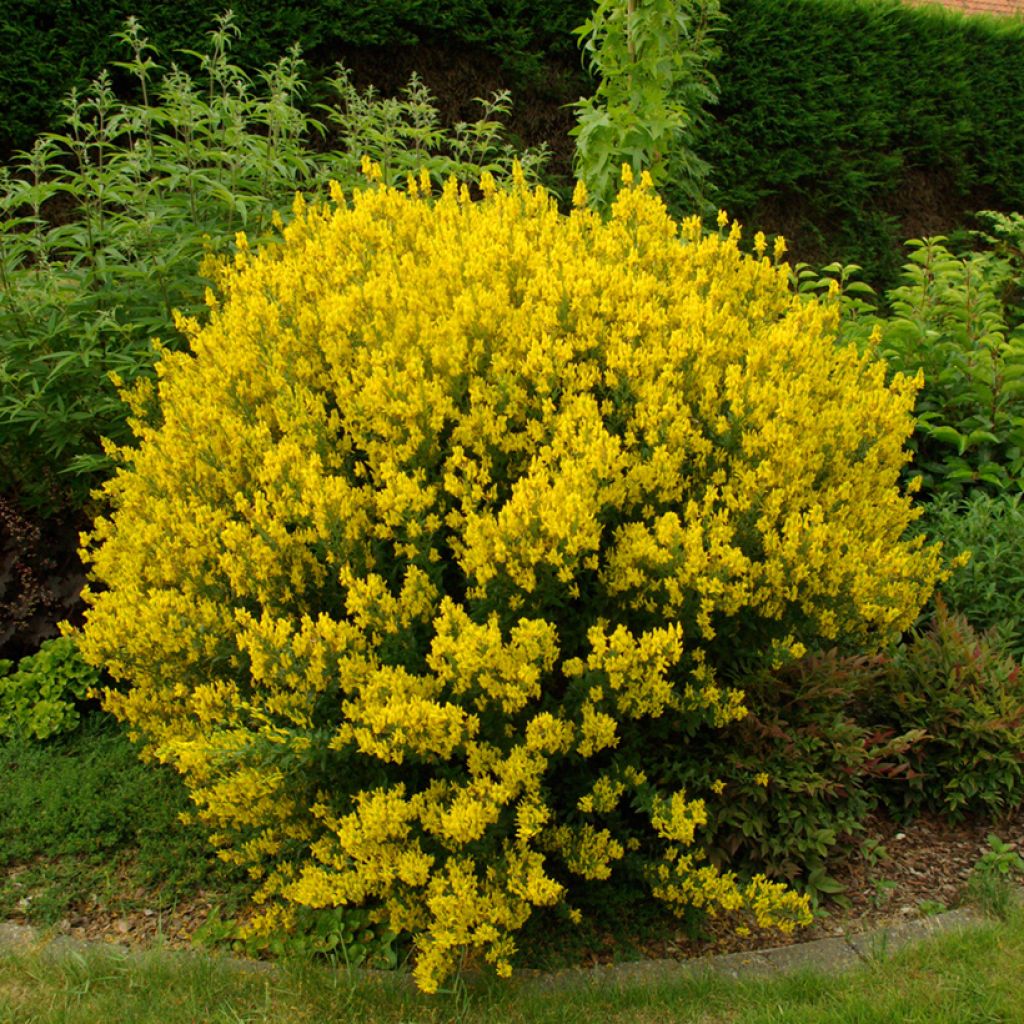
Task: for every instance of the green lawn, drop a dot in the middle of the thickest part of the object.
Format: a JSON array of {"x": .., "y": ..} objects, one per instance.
[{"x": 974, "y": 976}]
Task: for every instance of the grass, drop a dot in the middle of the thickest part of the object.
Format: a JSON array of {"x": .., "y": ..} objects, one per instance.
[
  {"x": 83, "y": 822},
  {"x": 973, "y": 976}
]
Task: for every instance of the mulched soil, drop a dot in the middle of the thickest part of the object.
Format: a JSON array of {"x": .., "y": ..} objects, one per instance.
[
  {"x": 140, "y": 928},
  {"x": 928, "y": 861}
]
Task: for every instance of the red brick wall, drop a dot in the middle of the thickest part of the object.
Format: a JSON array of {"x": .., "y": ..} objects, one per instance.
[{"x": 980, "y": 6}]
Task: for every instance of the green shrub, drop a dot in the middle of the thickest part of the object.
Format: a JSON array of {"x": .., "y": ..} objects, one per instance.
[
  {"x": 455, "y": 521},
  {"x": 967, "y": 692},
  {"x": 149, "y": 189},
  {"x": 801, "y": 773},
  {"x": 43, "y": 695},
  {"x": 987, "y": 589},
  {"x": 955, "y": 317},
  {"x": 949, "y": 319}
]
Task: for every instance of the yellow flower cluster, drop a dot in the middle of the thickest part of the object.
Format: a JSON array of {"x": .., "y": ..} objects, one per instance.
[{"x": 451, "y": 507}]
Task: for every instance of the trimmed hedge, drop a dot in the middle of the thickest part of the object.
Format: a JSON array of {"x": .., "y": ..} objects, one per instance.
[{"x": 827, "y": 105}]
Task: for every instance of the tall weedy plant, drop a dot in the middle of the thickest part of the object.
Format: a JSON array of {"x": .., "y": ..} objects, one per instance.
[
  {"x": 652, "y": 59},
  {"x": 104, "y": 224}
]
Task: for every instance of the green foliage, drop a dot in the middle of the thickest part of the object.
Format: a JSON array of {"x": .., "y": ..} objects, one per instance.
[
  {"x": 146, "y": 190},
  {"x": 900, "y": 105},
  {"x": 967, "y": 693},
  {"x": 41, "y": 698},
  {"x": 82, "y": 816},
  {"x": 69, "y": 42},
  {"x": 344, "y": 933},
  {"x": 949, "y": 319},
  {"x": 992, "y": 883},
  {"x": 651, "y": 59},
  {"x": 404, "y": 134},
  {"x": 830, "y": 109},
  {"x": 957, "y": 318},
  {"x": 987, "y": 589},
  {"x": 1005, "y": 237},
  {"x": 804, "y": 769}
]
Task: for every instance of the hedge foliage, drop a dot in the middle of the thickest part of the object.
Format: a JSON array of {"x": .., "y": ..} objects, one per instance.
[
  {"x": 441, "y": 535},
  {"x": 827, "y": 104}
]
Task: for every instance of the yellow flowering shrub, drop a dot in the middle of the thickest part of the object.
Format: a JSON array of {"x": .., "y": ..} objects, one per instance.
[{"x": 436, "y": 543}]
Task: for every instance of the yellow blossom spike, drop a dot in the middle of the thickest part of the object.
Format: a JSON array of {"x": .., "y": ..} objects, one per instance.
[
  {"x": 371, "y": 170},
  {"x": 453, "y": 498}
]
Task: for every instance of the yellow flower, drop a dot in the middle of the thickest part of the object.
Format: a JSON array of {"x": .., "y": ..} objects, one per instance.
[{"x": 449, "y": 505}]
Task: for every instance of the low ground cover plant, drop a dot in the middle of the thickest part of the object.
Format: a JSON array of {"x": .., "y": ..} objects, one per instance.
[
  {"x": 42, "y": 695},
  {"x": 447, "y": 532},
  {"x": 85, "y": 824}
]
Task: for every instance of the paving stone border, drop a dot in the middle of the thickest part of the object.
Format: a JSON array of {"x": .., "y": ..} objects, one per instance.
[{"x": 826, "y": 956}]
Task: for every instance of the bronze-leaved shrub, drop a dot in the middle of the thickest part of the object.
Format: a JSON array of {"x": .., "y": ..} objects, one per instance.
[{"x": 433, "y": 548}]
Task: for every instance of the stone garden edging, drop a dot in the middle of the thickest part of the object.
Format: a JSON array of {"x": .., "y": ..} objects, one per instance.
[{"x": 827, "y": 955}]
